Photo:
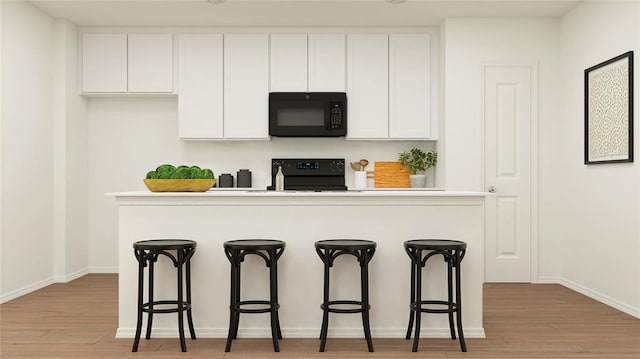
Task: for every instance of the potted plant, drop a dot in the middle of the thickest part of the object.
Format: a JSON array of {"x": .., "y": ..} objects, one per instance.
[{"x": 418, "y": 162}]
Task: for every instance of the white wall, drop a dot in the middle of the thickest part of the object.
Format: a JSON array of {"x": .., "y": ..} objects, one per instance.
[
  {"x": 26, "y": 191},
  {"x": 70, "y": 158},
  {"x": 597, "y": 222},
  {"x": 471, "y": 43},
  {"x": 129, "y": 136}
]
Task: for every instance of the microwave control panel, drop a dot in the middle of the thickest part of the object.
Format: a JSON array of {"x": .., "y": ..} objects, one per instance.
[{"x": 335, "y": 115}]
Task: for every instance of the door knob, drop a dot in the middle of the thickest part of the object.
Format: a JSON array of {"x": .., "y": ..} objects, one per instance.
[{"x": 492, "y": 189}]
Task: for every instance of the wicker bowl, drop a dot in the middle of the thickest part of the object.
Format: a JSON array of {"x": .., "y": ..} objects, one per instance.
[{"x": 179, "y": 185}]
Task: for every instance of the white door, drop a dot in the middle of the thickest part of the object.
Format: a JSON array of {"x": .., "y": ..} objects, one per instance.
[
  {"x": 200, "y": 86},
  {"x": 508, "y": 114},
  {"x": 104, "y": 63},
  {"x": 368, "y": 86},
  {"x": 409, "y": 86},
  {"x": 246, "y": 86},
  {"x": 327, "y": 66},
  {"x": 288, "y": 54},
  {"x": 150, "y": 62}
]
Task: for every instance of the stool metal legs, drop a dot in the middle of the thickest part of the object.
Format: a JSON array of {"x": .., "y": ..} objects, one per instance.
[
  {"x": 325, "y": 306},
  {"x": 364, "y": 257},
  {"x": 236, "y": 256},
  {"x": 458, "y": 259},
  {"x": 364, "y": 289},
  {"x": 149, "y": 257},
  {"x": 453, "y": 259}
]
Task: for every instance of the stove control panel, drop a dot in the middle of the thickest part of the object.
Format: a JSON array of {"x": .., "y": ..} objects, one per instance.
[{"x": 309, "y": 167}]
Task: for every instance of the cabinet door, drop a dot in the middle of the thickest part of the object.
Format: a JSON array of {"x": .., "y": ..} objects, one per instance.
[
  {"x": 104, "y": 63},
  {"x": 409, "y": 86},
  {"x": 327, "y": 63},
  {"x": 367, "y": 86},
  {"x": 288, "y": 62},
  {"x": 150, "y": 62},
  {"x": 200, "y": 86},
  {"x": 246, "y": 85}
]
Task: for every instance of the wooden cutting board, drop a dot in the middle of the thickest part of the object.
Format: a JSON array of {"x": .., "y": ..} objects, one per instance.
[{"x": 390, "y": 175}]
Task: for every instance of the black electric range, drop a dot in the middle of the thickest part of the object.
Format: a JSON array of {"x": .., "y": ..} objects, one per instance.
[{"x": 304, "y": 174}]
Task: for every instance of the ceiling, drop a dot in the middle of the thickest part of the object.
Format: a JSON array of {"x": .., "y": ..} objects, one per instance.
[{"x": 289, "y": 12}]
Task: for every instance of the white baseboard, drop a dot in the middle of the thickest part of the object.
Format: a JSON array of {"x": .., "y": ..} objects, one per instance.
[
  {"x": 26, "y": 290},
  {"x": 303, "y": 332},
  {"x": 548, "y": 280},
  {"x": 623, "y": 307},
  {"x": 69, "y": 277},
  {"x": 602, "y": 298},
  {"x": 104, "y": 270}
]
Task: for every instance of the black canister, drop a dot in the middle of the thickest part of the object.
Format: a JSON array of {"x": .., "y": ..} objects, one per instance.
[
  {"x": 225, "y": 180},
  {"x": 244, "y": 178}
]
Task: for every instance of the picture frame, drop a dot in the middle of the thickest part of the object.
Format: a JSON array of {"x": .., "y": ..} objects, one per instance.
[{"x": 608, "y": 111}]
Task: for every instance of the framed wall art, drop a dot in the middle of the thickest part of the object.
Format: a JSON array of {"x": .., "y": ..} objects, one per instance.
[{"x": 608, "y": 111}]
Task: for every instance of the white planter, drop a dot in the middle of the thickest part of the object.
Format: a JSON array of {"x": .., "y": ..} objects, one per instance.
[{"x": 418, "y": 181}]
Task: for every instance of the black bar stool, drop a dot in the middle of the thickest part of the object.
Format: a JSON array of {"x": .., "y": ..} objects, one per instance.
[
  {"x": 453, "y": 252},
  {"x": 270, "y": 250},
  {"x": 147, "y": 253},
  {"x": 363, "y": 250}
]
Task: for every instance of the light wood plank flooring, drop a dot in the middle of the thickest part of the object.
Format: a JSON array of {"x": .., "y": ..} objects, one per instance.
[{"x": 79, "y": 320}]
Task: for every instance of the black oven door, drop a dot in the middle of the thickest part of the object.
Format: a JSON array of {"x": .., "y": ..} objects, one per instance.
[{"x": 307, "y": 114}]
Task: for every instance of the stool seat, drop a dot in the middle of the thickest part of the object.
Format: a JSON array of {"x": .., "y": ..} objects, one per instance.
[
  {"x": 270, "y": 251},
  {"x": 345, "y": 244},
  {"x": 165, "y": 244},
  {"x": 435, "y": 244},
  {"x": 254, "y": 244}
]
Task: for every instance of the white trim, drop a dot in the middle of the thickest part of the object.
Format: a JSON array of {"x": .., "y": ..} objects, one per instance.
[
  {"x": 602, "y": 298},
  {"x": 69, "y": 277},
  {"x": 535, "y": 224},
  {"x": 26, "y": 290},
  {"x": 548, "y": 280},
  {"x": 104, "y": 270},
  {"x": 304, "y": 333},
  {"x": 262, "y": 29}
]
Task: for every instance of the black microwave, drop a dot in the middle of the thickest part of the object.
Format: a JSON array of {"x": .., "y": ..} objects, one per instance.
[{"x": 308, "y": 114}]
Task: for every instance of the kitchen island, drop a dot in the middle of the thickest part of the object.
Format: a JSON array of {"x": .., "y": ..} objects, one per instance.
[{"x": 301, "y": 218}]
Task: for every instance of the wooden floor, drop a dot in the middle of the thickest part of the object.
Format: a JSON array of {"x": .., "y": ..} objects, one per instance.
[{"x": 79, "y": 320}]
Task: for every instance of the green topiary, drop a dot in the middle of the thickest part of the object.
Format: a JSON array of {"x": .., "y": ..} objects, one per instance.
[
  {"x": 418, "y": 161},
  {"x": 168, "y": 171}
]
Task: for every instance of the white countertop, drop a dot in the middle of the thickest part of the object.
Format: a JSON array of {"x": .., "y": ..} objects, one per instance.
[
  {"x": 262, "y": 197},
  {"x": 260, "y": 192}
]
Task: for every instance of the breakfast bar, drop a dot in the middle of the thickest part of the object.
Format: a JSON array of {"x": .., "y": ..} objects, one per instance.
[{"x": 300, "y": 218}]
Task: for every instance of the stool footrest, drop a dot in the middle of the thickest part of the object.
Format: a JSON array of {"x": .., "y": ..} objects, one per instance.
[
  {"x": 345, "y": 310},
  {"x": 146, "y": 306},
  {"x": 452, "y": 307},
  {"x": 239, "y": 308}
]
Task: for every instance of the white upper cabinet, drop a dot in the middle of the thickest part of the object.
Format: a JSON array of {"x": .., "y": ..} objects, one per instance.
[
  {"x": 120, "y": 63},
  {"x": 104, "y": 62},
  {"x": 367, "y": 86},
  {"x": 327, "y": 63},
  {"x": 246, "y": 86},
  {"x": 200, "y": 99},
  {"x": 150, "y": 63},
  {"x": 409, "y": 86},
  {"x": 288, "y": 54},
  {"x": 314, "y": 62}
]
